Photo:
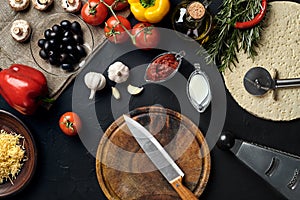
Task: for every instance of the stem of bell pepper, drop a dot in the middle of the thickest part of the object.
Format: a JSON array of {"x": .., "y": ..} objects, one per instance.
[
  {"x": 46, "y": 100},
  {"x": 147, "y": 3}
]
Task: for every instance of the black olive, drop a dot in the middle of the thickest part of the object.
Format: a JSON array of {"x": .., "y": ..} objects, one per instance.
[
  {"x": 67, "y": 58},
  {"x": 43, "y": 54},
  {"x": 52, "y": 54},
  {"x": 61, "y": 48},
  {"x": 47, "y": 46},
  {"x": 41, "y": 42},
  {"x": 53, "y": 35},
  {"x": 73, "y": 59},
  {"x": 68, "y": 41},
  {"x": 53, "y": 60},
  {"x": 67, "y": 67},
  {"x": 65, "y": 40},
  {"x": 47, "y": 33},
  {"x": 78, "y": 39},
  {"x": 57, "y": 28},
  {"x": 65, "y": 24},
  {"x": 54, "y": 44},
  {"x": 76, "y": 28},
  {"x": 80, "y": 51},
  {"x": 70, "y": 48},
  {"x": 68, "y": 34},
  {"x": 63, "y": 58}
]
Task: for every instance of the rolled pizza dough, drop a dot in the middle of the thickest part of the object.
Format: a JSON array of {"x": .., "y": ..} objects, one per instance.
[{"x": 279, "y": 54}]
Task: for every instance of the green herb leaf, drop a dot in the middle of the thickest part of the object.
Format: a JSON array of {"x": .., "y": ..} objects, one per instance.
[{"x": 225, "y": 41}]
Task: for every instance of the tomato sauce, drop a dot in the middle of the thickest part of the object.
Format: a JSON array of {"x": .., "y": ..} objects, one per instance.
[{"x": 162, "y": 67}]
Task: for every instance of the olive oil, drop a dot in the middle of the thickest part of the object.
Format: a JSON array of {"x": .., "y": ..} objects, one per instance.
[{"x": 192, "y": 20}]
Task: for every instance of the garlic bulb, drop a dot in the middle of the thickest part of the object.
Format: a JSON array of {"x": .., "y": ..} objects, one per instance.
[
  {"x": 118, "y": 72},
  {"x": 94, "y": 81}
]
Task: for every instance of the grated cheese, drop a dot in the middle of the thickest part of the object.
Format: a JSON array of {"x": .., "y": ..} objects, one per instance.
[{"x": 12, "y": 155}]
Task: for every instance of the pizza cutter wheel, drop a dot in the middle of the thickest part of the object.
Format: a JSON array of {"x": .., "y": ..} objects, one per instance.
[{"x": 258, "y": 81}]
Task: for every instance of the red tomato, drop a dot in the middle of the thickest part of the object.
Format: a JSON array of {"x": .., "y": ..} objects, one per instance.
[
  {"x": 146, "y": 35},
  {"x": 118, "y": 4},
  {"x": 114, "y": 31},
  {"x": 94, "y": 12},
  {"x": 70, "y": 123}
]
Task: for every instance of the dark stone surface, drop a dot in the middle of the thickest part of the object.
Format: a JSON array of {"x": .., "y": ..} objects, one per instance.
[{"x": 66, "y": 169}]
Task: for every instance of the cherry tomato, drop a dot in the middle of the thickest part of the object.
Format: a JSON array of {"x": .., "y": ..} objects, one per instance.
[
  {"x": 114, "y": 30},
  {"x": 118, "y": 4},
  {"x": 146, "y": 35},
  {"x": 70, "y": 123},
  {"x": 94, "y": 12}
]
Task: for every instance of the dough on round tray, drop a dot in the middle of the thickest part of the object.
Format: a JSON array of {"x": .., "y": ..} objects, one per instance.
[{"x": 279, "y": 53}]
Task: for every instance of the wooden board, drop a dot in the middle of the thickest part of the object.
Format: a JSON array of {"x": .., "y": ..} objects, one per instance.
[{"x": 125, "y": 172}]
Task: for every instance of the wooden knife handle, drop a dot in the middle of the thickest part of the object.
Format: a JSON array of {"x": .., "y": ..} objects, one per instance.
[{"x": 183, "y": 192}]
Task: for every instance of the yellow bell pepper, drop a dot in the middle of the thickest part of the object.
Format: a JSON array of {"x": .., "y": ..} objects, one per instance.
[{"x": 152, "y": 11}]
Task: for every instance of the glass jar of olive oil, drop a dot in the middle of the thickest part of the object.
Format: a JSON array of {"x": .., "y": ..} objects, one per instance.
[{"x": 192, "y": 20}]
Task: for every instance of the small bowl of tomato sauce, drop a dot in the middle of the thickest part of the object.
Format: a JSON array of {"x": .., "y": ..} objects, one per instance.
[{"x": 163, "y": 67}]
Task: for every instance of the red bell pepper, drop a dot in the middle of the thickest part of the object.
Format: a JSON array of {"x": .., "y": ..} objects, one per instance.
[{"x": 23, "y": 87}]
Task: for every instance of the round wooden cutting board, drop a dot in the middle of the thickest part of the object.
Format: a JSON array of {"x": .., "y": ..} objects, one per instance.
[{"x": 125, "y": 172}]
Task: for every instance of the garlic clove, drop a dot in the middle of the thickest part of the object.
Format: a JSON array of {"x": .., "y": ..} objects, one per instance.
[
  {"x": 115, "y": 93},
  {"x": 133, "y": 90},
  {"x": 94, "y": 81}
]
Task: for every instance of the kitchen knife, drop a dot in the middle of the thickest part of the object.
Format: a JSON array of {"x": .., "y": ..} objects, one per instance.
[{"x": 159, "y": 157}]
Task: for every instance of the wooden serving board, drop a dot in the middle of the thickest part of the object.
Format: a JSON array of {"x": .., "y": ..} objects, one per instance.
[{"x": 125, "y": 172}]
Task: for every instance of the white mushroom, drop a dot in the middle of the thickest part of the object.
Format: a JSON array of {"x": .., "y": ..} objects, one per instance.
[
  {"x": 18, "y": 5},
  {"x": 42, "y": 4},
  {"x": 20, "y": 30},
  {"x": 71, "y": 5},
  {"x": 118, "y": 72}
]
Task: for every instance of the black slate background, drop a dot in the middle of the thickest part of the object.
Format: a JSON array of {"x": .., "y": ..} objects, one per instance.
[{"x": 66, "y": 169}]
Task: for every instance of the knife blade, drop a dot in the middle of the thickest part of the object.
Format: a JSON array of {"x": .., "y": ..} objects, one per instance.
[
  {"x": 280, "y": 169},
  {"x": 159, "y": 157}
]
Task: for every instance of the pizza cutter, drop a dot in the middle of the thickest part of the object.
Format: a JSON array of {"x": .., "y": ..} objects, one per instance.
[
  {"x": 280, "y": 169},
  {"x": 258, "y": 81}
]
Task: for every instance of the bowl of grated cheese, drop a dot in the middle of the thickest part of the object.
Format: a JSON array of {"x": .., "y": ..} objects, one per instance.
[{"x": 18, "y": 154}]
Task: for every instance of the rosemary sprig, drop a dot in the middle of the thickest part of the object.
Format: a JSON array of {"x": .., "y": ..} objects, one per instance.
[{"x": 225, "y": 41}]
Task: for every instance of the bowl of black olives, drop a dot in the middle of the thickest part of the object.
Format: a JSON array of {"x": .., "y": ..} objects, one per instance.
[{"x": 60, "y": 44}]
